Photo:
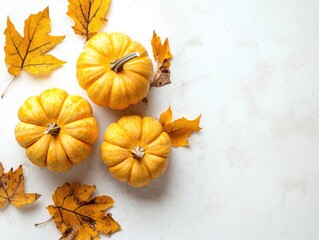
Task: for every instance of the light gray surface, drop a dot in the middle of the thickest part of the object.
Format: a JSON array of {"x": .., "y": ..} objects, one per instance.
[{"x": 250, "y": 67}]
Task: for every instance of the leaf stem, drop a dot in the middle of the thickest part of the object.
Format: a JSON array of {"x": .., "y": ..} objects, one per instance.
[
  {"x": 42, "y": 223},
  {"x": 6, "y": 89}
]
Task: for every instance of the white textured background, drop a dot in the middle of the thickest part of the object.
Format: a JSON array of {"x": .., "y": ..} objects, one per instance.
[{"x": 250, "y": 67}]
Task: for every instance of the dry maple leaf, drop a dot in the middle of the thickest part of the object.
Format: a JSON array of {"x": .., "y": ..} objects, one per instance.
[
  {"x": 12, "y": 189},
  {"x": 162, "y": 56},
  {"x": 179, "y": 130},
  {"x": 29, "y": 52},
  {"x": 75, "y": 209},
  {"x": 88, "y": 16}
]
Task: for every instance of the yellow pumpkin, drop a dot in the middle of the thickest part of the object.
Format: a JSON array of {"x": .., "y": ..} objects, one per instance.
[
  {"x": 56, "y": 129},
  {"x": 115, "y": 70},
  {"x": 136, "y": 150}
]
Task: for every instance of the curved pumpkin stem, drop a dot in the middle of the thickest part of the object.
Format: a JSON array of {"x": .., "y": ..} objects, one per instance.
[
  {"x": 53, "y": 129},
  {"x": 117, "y": 65},
  {"x": 138, "y": 152}
]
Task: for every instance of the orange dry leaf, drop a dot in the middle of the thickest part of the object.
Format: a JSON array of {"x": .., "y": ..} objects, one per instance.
[
  {"x": 12, "y": 189},
  {"x": 75, "y": 213},
  {"x": 29, "y": 52},
  {"x": 162, "y": 55},
  {"x": 179, "y": 130},
  {"x": 88, "y": 16}
]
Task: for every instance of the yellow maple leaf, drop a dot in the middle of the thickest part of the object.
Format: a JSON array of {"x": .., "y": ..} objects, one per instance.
[
  {"x": 179, "y": 130},
  {"x": 162, "y": 55},
  {"x": 29, "y": 52},
  {"x": 12, "y": 189},
  {"x": 75, "y": 209},
  {"x": 88, "y": 16}
]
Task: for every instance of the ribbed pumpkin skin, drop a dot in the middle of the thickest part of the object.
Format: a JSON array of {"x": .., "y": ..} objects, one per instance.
[
  {"x": 131, "y": 131},
  {"x": 73, "y": 143},
  {"x": 106, "y": 87}
]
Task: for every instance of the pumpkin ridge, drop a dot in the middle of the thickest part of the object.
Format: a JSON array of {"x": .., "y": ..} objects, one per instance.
[
  {"x": 65, "y": 132},
  {"x": 44, "y": 125},
  {"x": 131, "y": 167},
  {"x": 42, "y": 108},
  {"x": 95, "y": 78},
  {"x": 127, "y": 95},
  {"x": 128, "y": 136},
  {"x": 103, "y": 56},
  {"x": 109, "y": 96},
  {"x": 46, "y": 152},
  {"x": 129, "y": 176},
  {"x": 30, "y": 122},
  {"x": 126, "y": 50},
  {"x": 134, "y": 162},
  {"x": 136, "y": 46},
  {"x": 153, "y": 139},
  {"x": 150, "y": 152},
  {"x": 148, "y": 171},
  {"x": 130, "y": 71},
  {"x": 135, "y": 71},
  {"x": 61, "y": 125},
  {"x": 122, "y": 50},
  {"x": 84, "y": 115},
  {"x": 57, "y": 110},
  {"x": 33, "y": 142},
  {"x": 112, "y": 165},
  {"x": 67, "y": 157},
  {"x": 117, "y": 145},
  {"x": 154, "y": 155}
]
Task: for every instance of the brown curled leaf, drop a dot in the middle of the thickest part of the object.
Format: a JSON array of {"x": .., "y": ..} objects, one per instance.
[{"x": 162, "y": 55}]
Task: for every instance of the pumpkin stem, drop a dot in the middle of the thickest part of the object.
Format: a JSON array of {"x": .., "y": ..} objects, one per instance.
[
  {"x": 138, "y": 152},
  {"x": 53, "y": 129},
  {"x": 117, "y": 65}
]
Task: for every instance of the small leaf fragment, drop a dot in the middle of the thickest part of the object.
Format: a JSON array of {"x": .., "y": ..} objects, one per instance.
[
  {"x": 70, "y": 235},
  {"x": 161, "y": 52},
  {"x": 12, "y": 189},
  {"x": 75, "y": 209},
  {"x": 88, "y": 16},
  {"x": 162, "y": 77},
  {"x": 162, "y": 55},
  {"x": 179, "y": 130},
  {"x": 1, "y": 169},
  {"x": 166, "y": 117}
]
